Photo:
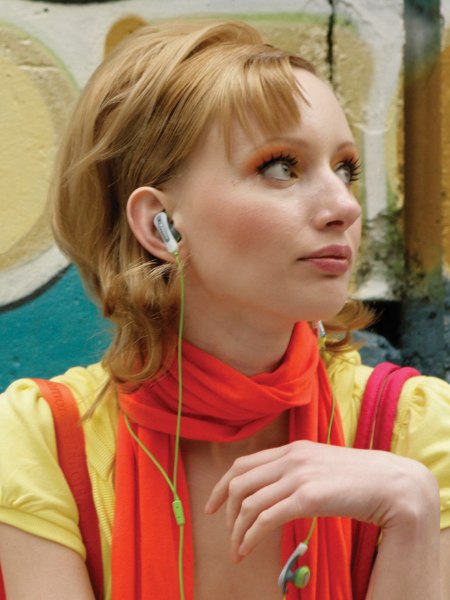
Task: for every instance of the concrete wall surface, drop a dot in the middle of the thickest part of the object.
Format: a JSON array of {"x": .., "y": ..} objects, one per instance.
[{"x": 388, "y": 62}]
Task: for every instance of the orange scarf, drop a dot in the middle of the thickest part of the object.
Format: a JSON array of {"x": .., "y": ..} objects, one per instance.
[{"x": 219, "y": 404}]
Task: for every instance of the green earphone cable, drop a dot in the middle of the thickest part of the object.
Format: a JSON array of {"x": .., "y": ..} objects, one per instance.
[
  {"x": 177, "y": 505},
  {"x": 180, "y": 369},
  {"x": 148, "y": 453},
  {"x": 177, "y": 501},
  {"x": 330, "y": 424}
]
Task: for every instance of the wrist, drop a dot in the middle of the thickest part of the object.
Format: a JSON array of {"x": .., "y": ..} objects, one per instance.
[
  {"x": 407, "y": 565},
  {"x": 412, "y": 500}
]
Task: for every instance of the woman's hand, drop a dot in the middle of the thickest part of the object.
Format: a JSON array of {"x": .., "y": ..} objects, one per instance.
[{"x": 305, "y": 479}]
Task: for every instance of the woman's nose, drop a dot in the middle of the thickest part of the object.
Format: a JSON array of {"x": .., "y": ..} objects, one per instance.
[{"x": 337, "y": 207}]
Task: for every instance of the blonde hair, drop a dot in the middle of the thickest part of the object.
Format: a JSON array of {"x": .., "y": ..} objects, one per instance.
[{"x": 136, "y": 122}]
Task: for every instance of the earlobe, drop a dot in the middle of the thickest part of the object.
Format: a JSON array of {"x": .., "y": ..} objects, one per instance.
[{"x": 142, "y": 207}]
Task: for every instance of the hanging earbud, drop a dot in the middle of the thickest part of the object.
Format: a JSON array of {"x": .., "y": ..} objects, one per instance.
[
  {"x": 299, "y": 577},
  {"x": 321, "y": 334},
  {"x": 169, "y": 235}
]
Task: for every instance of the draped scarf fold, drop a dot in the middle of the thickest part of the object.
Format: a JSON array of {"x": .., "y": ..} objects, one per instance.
[{"x": 222, "y": 405}]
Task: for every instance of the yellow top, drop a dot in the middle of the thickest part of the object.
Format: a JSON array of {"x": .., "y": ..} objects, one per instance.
[{"x": 34, "y": 495}]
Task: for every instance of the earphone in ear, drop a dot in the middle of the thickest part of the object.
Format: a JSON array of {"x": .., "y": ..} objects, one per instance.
[
  {"x": 300, "y": 576},
  {"x": 169, "y": 235}
]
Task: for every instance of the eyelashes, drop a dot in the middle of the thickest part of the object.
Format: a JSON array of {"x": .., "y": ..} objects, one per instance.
[
  {"x": 353, "y": 166},
  {"x": 287, "y": 159}
]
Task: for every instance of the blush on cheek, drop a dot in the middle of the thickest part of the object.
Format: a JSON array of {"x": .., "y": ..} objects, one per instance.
[
  {"x": 240, "y": 230},
  {"x": 231, "y": 224}
]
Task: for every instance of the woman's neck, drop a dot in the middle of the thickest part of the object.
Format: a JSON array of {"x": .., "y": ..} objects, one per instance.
[{"x": 248, "y": 347}]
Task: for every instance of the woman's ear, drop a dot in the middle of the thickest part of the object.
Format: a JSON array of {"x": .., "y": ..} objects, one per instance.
[{"x": 142, "y": 206}]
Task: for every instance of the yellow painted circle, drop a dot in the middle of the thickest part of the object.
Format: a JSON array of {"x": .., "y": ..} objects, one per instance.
[
  {"x": 36, "y": 95},
  {"x": 25, "y": 155}
]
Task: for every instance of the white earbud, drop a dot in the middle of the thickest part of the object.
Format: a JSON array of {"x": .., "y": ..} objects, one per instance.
[{"x": 166, "y": 232}]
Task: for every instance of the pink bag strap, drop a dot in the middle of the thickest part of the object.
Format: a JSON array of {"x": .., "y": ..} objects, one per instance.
[{"x": 375, "y": 429}]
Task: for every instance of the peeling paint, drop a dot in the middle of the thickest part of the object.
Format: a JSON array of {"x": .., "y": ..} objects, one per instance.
[
  {"x": 330, "y": 41},
  {"x": 382, "y": 244}
]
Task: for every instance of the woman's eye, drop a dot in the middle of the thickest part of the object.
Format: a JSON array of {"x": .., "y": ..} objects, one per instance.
[
  {"x": 280, "y": 168},
  {"x": 348, "y": 171}
]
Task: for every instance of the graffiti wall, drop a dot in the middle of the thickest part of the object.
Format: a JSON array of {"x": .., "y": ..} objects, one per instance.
[{"x": 49, "y": 49}]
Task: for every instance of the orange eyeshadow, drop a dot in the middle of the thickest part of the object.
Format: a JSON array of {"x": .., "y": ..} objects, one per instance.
[{"x": 265, "y": 153}]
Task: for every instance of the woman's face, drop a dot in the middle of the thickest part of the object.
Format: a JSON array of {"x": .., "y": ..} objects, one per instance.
[{"x": 272, "y": 229}]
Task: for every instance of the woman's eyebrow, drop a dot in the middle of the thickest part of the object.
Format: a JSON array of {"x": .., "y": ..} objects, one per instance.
[{"x": 299, "y": 142}]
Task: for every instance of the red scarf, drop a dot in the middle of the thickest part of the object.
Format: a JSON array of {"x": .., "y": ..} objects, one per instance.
[{"x": 219, "y": 404}]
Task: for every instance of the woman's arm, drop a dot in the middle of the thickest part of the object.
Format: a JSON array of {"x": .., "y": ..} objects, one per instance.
[
  {"x": 407, "y": 564},
  {"x": 37, "y": 569},
  {"x": 445, "y": 564},
  {"x": 267, "y": 489}
]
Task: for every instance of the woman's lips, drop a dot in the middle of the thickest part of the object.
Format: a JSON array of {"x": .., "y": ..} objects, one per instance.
[{"x": 334, "y": 259}]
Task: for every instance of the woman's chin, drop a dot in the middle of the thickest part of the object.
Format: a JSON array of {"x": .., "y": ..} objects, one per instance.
[{"x": 328, "y": 307}]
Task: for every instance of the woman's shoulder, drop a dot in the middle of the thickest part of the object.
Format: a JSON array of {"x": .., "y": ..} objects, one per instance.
[
  {"x": 34, "y": 495},
  {"x": 84, "y": 382},
  {"x": 24, "y": 409},
  {"x": 422, "y": 399},
  {"x": 422, "y": 431}
]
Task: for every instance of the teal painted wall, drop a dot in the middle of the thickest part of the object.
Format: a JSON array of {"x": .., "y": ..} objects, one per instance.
[{"x": 46, "y": 335}]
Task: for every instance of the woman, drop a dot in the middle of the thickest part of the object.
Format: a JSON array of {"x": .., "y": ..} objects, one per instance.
[{"x": 249, "y": 157}]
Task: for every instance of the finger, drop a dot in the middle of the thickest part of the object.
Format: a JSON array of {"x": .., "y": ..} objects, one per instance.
[
  {"x": 252, "y": 507},
  {"x": 268, "y": 520},
  {"x": 240, "y": 466},
  {"x": 245, "y": 486}
]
